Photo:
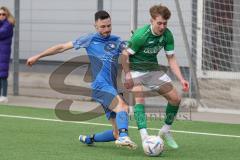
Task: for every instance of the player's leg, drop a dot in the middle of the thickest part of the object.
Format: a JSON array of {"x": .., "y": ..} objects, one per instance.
[
  {"x": 115, "y": 128},
  {"x": 4, "y": 89},
  {"x": 113, "y": 104},
  {"x": 117, "y": 109},
  {"x": 161, "y": 82},
  {"x": 121, "y": 109},
  {"x": 171, "y": 111},
  {"x": 0, "y": 87},
  {"x": 139, "y": 107},
  {"x": 105, "y": 136},
  {"x": 139, "y": 111}
]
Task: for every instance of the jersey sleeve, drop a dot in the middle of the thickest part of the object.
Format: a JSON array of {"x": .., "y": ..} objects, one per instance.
[
  {"x": 169, "y": 43},
  {"x": 82, "y": 42},
  {"x": 135, "y": 43},
  {"x": 122, "y": 45}
]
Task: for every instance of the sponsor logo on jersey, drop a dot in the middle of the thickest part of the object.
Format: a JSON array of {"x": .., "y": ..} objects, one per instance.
[{"x": 152, "y": 50}]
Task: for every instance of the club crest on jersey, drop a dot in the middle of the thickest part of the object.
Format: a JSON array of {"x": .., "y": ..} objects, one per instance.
[{"x": 110, "y": 46}]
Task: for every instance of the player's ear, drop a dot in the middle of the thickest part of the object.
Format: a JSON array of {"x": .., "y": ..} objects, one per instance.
[
  {"x": 151, "y": 21},
  {"x": 95, "y": 25}
]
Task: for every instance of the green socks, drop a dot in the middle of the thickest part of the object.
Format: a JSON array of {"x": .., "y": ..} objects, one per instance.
[
  {"x": 171, "y": 112},
  {"x": 139, "y": 115}
]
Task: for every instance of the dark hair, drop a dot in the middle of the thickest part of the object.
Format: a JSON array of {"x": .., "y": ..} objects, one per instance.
[
  {"x": 101, "y": 15},
  {"x": 161, "y": 10}
]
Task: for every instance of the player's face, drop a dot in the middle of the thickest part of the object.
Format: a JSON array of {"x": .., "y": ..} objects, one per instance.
[
  {"x": 159, "y": 25},
  {"x": 2, "y": 15},
  {"x": 104, "y": 27}
]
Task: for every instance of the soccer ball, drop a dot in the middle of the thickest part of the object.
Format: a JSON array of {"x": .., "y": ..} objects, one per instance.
[{"x": 153, "y": 145}]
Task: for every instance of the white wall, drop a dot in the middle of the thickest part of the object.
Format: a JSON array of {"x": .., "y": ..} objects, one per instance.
[{"x": 48, "y": 22}]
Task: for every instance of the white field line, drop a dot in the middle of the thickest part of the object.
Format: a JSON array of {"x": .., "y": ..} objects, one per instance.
[{"x": 100, "y": 124}]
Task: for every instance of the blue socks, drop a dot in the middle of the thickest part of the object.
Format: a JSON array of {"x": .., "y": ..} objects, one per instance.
[
  {"x": 105, "y": 136},
  {"x": 122, "y": 123}
]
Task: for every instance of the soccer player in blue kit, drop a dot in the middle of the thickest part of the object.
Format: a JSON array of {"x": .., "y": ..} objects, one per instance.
[{"x": 103, "y": 50}]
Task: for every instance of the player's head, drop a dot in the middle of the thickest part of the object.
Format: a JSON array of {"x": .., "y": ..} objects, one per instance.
[
  {"x": 6, "y": 14},
  {"x": 103, "y": 23},
  {"x": 159, "y": 17}
]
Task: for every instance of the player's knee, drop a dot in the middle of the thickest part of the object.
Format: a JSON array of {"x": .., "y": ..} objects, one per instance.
[
  {"x": 175, "y": 100},
  {"x": 124, "y": 107},
  {"x": 121, "y": 107}
]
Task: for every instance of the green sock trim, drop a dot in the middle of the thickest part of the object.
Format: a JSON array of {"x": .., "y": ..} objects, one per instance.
[
  {"x": 171, "y": 112},
  {"x": 139, "y": 115}
]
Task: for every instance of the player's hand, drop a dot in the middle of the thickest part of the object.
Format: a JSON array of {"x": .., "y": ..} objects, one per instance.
[
  {"x": 185, "y": 85},
  {"x": 128, "y": 81},
  {"x": 32, "y": 60}
]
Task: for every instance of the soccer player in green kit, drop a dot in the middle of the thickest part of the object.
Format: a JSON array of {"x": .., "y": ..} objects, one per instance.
[{"x": 141, "y": 68}]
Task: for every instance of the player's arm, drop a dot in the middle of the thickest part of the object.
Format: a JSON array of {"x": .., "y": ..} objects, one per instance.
[
  {"x": 125, "y": 61},
  {"x": 169, "y": 50},
  {"x": 125, "y": 64},
  {"x": 133, "y": 46},
  {"x": 174, "y": 66},
  {"x": 176, "y": 70},
  {"x": 50, "y": 51}
]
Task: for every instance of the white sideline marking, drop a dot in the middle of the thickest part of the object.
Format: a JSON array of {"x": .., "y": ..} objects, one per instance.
[
  {"x": 213, "y": 110},
  {"x": 100, "y": 124}
]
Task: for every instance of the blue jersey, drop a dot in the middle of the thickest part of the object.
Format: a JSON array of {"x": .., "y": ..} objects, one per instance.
[{"x": 103, "y": 53}]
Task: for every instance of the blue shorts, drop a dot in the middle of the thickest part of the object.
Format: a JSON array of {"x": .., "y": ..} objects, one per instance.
[{"x": 105, "y": 96}]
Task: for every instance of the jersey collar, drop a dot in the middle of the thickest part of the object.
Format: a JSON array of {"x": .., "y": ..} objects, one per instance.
[
  {"x": 151, "y": 28},
  {"x": 100, "y": 36}
]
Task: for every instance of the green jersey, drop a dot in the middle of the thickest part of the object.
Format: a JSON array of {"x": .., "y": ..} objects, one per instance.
[{"x": 144, "y": 46}]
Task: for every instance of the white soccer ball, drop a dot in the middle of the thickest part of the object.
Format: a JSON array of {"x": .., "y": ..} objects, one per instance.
[{"x": 153, "y": 145}]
